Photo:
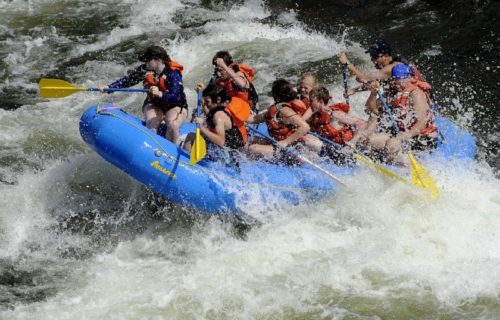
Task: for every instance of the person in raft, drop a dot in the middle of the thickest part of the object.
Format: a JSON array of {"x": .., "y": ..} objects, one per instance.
[
  {"x": 307, "y": 82},
  {"x": 234, "y": 78},
  {"x": 382, "y": 58},
  {"x": 284, "y": 123},
  {"x": 410, "y": 108},
  {"x": 333, "y": 122},
  {"x": 224, "y": 127},
  {"x": 166, "y": 101}
]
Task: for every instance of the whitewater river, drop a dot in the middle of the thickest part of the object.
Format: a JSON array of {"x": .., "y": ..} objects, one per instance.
[{"x": 79, "y": 239}]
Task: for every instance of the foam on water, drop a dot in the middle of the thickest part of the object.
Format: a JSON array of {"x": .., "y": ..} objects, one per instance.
[{"x": 395, "y": 245}]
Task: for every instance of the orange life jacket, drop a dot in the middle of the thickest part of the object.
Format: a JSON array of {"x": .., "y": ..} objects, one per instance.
[
  {"x": 239, "y": 110},
  {"x": 277, "y": 129},
  {"x": 233, "y": 90},
  {"x": 161, "y": 83},
  {"x": 320, "y": 123},
  {"x": 400, "y": 106}
]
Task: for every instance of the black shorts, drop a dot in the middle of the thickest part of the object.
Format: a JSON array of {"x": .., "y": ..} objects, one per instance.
[
  {"x": 165, "y": 107},
  {"x": 422, "y": 143},
  {"x": 286, "y": 156}
]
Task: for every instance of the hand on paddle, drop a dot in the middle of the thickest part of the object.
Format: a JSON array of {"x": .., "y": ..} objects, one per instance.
[
  {"x": 199, "y": 87},
  {"x": 102, "y": 88},
  {"x": 199, "y": 120}
]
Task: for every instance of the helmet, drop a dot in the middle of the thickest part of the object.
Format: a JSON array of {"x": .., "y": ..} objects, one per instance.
[{"x": 401, "y": 71}]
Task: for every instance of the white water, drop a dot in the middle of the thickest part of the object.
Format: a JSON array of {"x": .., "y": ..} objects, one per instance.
[{"x": 378, "y": 250}]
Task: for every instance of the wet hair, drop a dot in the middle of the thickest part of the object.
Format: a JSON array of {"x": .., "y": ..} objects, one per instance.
[
  {"x": 214, "y": 92},
  {"x": 321, "y": 93},
  {"x": 283, "y": 91},
  {"x": 154, "y": 52},
  {"x": 224, "y": 55}
]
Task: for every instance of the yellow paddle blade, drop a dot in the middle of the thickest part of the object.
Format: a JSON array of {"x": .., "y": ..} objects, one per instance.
[
  {"x": 379, "y": 168},
  {"x": 55, "y": 88},
  {"x": 199, "y": 148},
  {"x": 421, "y": 178}
]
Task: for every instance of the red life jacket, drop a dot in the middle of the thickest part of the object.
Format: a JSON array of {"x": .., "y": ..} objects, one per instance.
[
  {"x": 161, "y": 82},
  {"x": 306, "y": 101},
  {"x": 320, "y": 123},
  {"x": 277, "y": 129},
  {"x": 417, "y": 74},
  {"x": 400, "y": 106}
]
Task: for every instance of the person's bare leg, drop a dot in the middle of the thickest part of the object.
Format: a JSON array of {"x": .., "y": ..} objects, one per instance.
[
  {"x": 378, "y": 140},
  {"x": 174, "y": 119},
  {"x": 188, "y": 143},
  {"x": 153, "y": 117},
  {"x": 313, "y": 143},
  {"x": 267, "y": 151}
]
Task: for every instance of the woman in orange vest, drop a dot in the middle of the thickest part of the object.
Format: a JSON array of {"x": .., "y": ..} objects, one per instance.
[
  {"x": 166, "y": 100},
  {"x": 234, "y": 78},
  {"x": 224, "y": 126},
  {"x": 332, "y": 121}
]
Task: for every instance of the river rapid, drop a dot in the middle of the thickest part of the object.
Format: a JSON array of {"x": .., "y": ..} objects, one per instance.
[{"x": 79, "y": 239}]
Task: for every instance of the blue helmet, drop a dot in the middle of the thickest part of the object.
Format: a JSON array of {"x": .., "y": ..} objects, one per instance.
[{"x": 401, "y": 71}]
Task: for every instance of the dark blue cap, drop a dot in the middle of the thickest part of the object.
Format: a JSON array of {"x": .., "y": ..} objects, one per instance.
[
  {"x": 380, "y": 47},
  {"x": 401, "y": 71}
]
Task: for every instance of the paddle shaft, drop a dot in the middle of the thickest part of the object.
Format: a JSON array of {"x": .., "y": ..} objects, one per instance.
[
  {"x": 119, "y": 89},
  {"x": 326, "y": 140},
  {"x": 198, "y": 104},
  {"x": 380, "y": 95},
  {"x": 344, "y": 78},
  {"x": 300, "y": 157},
  {"x": 361, "y": 158}
]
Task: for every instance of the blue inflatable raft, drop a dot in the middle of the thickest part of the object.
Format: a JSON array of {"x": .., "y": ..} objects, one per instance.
[{"x": 211, "y": 187}]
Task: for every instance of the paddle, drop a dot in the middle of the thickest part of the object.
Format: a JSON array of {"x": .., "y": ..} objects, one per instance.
[
  {"x": 361, "y": 158},
  {"x": 199, "y": 148},
  {"x": 419, "y": 176},
  {"x": 55, "y": 88},
  {"x": 300, "y": 157},
  {"x": 344, "y": 78}
]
